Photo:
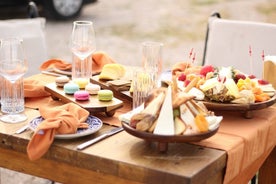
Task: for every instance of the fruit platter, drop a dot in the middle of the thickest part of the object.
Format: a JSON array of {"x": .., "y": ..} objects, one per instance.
[{"x": 224, "y": 88}]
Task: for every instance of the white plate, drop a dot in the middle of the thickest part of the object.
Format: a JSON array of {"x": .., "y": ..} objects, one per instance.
[{"x": 94, "y": 124}]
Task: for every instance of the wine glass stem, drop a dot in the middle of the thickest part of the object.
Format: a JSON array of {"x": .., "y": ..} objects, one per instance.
[{"x": 83, "y": 67}]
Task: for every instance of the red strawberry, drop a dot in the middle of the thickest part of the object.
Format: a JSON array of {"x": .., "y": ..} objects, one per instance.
[
  {"x": 206, "y": 69},
  {"x": 182, "y": 77},
  {"x": 186, "y": 83},
  {"x": 239, "y": 76},
  {"x": 251, "y": 76},
  {"x": 262, "y": 82}
]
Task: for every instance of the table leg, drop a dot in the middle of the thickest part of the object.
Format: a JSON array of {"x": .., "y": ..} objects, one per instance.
[{"x": 267, "y": 173}]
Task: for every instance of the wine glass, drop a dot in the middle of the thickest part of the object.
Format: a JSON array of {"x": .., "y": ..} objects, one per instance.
[
  {"x": 13, "y": 66},
  {"x": 82, "y": 44}
]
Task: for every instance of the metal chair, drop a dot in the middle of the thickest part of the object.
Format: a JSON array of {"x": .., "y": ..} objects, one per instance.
[
  {"x": 31, "y": 30},
  {"x": 238, "y": 43},
  {"x": 32, "y": 10}
]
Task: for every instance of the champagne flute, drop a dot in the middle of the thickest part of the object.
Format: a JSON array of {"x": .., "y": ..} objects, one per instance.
[
  {"x": 82, "y": 45},
  {"x": 13, "y": 66}
]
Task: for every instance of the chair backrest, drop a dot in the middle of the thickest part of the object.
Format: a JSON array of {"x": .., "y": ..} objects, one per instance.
[
  {"x": 229, "y": 43},
  {"x": 33, "y": 34}
]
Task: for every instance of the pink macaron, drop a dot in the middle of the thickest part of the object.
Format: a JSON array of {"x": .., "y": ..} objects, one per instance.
[{"x": 81, "y": 95}]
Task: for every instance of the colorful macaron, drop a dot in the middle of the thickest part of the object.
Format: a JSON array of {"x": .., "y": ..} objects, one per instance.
[
  {"x": 105, "y": 95},
  {"x": 81, "y": 82},
  {"x": 81, "y": 95},
  {"x": 92, "y": 88},
  {"x": 61, "y": 81},
  {"x": 70, "y": 88}
]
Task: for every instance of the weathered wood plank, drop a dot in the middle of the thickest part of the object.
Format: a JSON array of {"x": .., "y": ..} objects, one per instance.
[
  {"x": 267, "y": 173},
  {"x": 56, "y": 171},
  {"x": 120, "y": 156}
]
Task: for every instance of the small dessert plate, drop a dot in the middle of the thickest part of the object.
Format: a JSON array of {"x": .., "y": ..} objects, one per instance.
[{"x": 94, "y": 125}]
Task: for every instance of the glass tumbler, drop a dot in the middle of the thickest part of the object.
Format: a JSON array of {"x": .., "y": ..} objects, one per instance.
[
  {"x": 152, "y": 60},
  {"x": 142, "y": 85},
  {"x": 12, "y": 97},
  {"x": 13, "y": 66}
]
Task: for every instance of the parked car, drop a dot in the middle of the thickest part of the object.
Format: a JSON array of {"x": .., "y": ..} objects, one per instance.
[{"x": 56, "y": 9}]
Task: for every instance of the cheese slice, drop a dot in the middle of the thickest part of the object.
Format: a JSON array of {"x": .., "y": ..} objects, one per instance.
[
  {"x": 188, "y": 117},
  {"x": 165, "y": 122},
  {"x": 112, "y": 71}
]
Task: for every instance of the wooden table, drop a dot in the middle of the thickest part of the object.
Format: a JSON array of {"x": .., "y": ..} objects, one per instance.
[{"x": 121, "y": 158}]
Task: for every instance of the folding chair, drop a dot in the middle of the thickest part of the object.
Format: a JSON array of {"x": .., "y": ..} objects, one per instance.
[
  {"x": 241, "y": 44},
  {"x": 31, "y": 30}
]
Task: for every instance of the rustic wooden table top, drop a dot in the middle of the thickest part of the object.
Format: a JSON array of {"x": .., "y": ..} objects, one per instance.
[{"x": 122, "y": 157}]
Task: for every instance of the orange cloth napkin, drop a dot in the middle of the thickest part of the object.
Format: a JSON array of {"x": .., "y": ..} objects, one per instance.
[
  {"x": 247, "y": 142},
  {"x": 34, "y": 88},
  {"x": 56, "y": 63},
  {"x": 65, "y": 119},
  {"x": 99, "y": 60},
  {"x": 34, "y": 92}
]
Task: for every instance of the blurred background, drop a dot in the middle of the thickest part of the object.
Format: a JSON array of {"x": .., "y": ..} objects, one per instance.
[{"x": 122, "y": 25}]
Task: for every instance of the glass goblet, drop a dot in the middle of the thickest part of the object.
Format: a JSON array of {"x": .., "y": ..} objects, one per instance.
[{"x": 82, "y": 45}]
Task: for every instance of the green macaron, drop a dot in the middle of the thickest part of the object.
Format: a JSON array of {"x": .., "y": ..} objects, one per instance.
[{"x": 105, "y": 95}]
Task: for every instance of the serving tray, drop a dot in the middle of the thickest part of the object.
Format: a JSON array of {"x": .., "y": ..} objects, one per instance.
[
  {"x": 163, "y": 140},
  {"x": 246, "y": 109},
  {"x": 104, "y": 85},
  {"x": 93, "y": 105}
]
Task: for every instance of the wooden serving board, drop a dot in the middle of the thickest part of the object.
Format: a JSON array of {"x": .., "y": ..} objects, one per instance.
[
  {"x": 93, "y": 105},
  {"x": 163, "y": 140},
  {"x": 103, "y": 83},
  {"x": 246, "y": 109}
]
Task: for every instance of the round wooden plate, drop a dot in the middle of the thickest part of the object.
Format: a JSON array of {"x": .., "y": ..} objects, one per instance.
[
  {"x": 246, "y": 108},
  {"x": 163, "y": 140}
]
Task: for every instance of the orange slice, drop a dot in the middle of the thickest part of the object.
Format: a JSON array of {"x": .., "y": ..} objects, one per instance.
[{"x": 201, "y": 123}]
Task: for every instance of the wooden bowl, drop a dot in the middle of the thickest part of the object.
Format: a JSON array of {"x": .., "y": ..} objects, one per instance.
[
  {"x": 163, "y": 140},
  {"x": 244, "y": 108}
]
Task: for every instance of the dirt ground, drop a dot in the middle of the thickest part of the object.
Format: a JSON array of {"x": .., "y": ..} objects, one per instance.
[{"x": 122, "y": 25}]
